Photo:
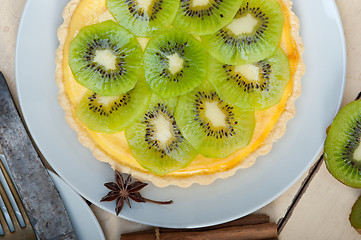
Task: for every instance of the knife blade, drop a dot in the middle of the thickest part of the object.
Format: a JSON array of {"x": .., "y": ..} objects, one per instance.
[{"x": 41, "y": 200}]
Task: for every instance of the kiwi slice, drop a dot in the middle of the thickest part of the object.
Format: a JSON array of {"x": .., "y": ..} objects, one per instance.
[
  {"x": 143, "y": 17},
  {"x": 175, "y": 63},
  {"x": 211, "y": 125},
  {"x": 342, "y": 150},
  {"x": 251, "y": 36},
  {"x": 355, "y": 216},
  {"x": 203, "y": 17},
  {"x": 111, "y": 114},
  {"x": 105, "y": 58},
  {"x": 156, "y": 141},
  {"x": 254, "y": 86}
]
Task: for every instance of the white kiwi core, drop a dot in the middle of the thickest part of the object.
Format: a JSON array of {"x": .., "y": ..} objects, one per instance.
[
  {"x": 214, "y": 114},
  {"x": 357, "y": 152},
  {"x": 243, "y": 25},
  {"x": 144, "y": 4},
  {"x": 199, "y": 3},
  {"x": 106, "y": 100},
  {"x": 163, "y": 130},
  {"x": 249, "y": 71},
  {"x": 106, "y": 59},
  {"x": 175, "y": 63}
]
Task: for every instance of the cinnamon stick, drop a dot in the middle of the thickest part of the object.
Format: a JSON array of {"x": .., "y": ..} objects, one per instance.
[
  {"x": 143, "y": 235},
  {"x": 247, "y": 220},
  {"x": 250, "y": 232}
]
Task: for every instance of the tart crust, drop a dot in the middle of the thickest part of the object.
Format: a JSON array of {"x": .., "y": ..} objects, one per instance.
[{"x": 182, "y": 181}]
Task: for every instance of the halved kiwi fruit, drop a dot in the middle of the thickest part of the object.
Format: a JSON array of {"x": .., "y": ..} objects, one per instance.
[
  {"x": 175, "y": 63},
  {"x": 203, "y": 17},
  {"x": 156, "y": 141},
  {"x": 143, "y": 17},
  {"x": 211, "y": 125},
  {"x": 253, "y": 34},
  {"x": 355, "y": 216},
  {"x": 105, "y": 58},
  {"x": 342, "y": 150},
  {"x": 112, "y": 114},
  {"x": 254, "y": 86}
]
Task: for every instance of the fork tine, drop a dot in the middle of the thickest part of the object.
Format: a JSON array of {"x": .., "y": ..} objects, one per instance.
[
  {"x": 3, "y": 223},
  {"x": 9, "y": 207},
  {"x": 16, "y": 198},
  {"x": 28, "y": 230}
]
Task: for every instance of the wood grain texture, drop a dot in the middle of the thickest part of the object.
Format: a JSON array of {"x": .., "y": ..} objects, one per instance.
[
  {"x": 322, "y": 212},
  {"x": 10, "y": 12},
  {"x": 350, "y": 12}
]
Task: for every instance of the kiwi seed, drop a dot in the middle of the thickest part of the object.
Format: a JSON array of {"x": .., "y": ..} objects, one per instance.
[
  {"x": 156, "y": 141},
  {"x": 176, "y": 49},
  {"x": 105, "y": 58},
  {"x": 250, "y": 86},
  {"x": 205, "y": 17},
  {"x": 254, "y": 86},
  {"x": 99, "y": 109},
  {"x": 112, "y": 114},
  {"x": 207, "y": 128},
  {"x": 175, "y": 63},
  {"x": 90, "y": 54},
  {"x": 161, "y": 109},
  {"x": 342, "y": 150},
  {"x": 144, "y": 18},
  {"x": 252, "y": 35},
  {"x": 212, "y": 126}
]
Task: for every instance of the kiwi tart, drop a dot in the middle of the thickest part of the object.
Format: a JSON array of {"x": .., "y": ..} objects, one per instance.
[{"x": 179, "y": 92}]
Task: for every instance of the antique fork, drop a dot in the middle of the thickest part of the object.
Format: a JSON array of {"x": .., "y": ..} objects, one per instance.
[{"x": 19, "y": 232}]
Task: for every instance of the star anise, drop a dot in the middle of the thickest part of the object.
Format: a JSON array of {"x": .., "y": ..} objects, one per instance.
[{"x": 123, "y": 190}]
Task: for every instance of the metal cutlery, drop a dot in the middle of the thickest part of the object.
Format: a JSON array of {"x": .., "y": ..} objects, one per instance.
[{"x": 41, "y": 200}]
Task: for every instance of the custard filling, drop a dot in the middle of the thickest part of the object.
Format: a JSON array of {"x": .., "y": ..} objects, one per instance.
[{"x": 115, "y": 145}]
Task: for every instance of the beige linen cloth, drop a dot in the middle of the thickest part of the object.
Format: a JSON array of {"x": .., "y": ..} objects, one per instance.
[{"x": 114, "y": 226}]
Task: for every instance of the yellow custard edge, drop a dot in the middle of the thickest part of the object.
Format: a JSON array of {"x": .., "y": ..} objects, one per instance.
[{"x": 114, "y": 149}]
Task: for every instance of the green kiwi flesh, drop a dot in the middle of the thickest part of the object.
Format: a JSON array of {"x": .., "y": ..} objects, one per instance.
[
  {"x": 254, "y": 86},
  {"x": 253, "y": 34},
  {"x": 342, "y": 150},
  {"x": 156, "y": 141},
  {"x": 355, "y": 215},
  {"x": 105, "y": 58},
  {"x": 205, "y": 17},
  {"x": 175, "y": 63},
  {"x": 212, "y": 126},
  {"x": 113, "y": 114},
  {"x": 184, "y": 102},
  {"x": 144, "y": 17}
]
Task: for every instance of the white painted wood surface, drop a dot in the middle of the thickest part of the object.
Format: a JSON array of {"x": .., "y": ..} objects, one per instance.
[{"x": 322, "y": 212}]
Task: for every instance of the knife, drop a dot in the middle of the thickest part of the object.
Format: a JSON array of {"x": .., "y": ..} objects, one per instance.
[{"x": 41, "y": 200}]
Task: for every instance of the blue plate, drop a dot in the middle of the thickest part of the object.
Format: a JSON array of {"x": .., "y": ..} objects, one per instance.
[{"x": 196, "y": 206}]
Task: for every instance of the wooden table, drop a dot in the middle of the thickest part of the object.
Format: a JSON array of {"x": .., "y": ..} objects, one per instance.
[{"x": 315, "y": 207}]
